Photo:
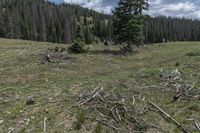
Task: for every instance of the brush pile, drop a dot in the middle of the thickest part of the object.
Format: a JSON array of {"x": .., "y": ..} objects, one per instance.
[
  {"x": 56, "y": 55},
  {"x": 117, "y": 111},
  {"x": 183, "y": 88},
  {"x": 123, "y": 111}
]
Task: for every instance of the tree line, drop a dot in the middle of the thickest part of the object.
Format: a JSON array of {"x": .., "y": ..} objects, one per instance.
[{"x": 40, "y": 20}]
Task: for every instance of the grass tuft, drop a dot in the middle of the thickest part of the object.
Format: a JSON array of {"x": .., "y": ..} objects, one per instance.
[
  {"x": 99, "y": 128},
  {"x": 80, "y": 119}
]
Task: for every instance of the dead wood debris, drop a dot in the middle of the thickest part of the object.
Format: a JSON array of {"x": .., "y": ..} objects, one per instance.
[
  {"x": 56, "y": 56},
  {"x": 197, "y": 125},
  {"x": 45, "y": 124},
  {"x": 169, "y": 117},
  {"x": 174, "y": 80},
  {"x": 115, "y": 111},
  {"x": 119, "y": 111}
]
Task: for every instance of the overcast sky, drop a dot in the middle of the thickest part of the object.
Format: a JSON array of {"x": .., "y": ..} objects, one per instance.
[{"x": 180, "y": 8}]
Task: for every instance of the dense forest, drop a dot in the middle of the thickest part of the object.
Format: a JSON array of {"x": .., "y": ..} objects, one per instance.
[
  {"x": 45, "y": 21},
  {"x": 162, "y": 29}
]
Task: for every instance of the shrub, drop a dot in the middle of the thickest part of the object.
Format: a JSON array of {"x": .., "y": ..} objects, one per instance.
[{"x": 78, "y": 47}]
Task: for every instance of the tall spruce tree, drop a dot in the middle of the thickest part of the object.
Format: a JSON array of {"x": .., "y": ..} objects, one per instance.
[
  {"x": 79, "y": 42},
  {"x": 80, "y": 34},
  {"x": 88, "y": 35},
  {"x": 128, "y": 23}
]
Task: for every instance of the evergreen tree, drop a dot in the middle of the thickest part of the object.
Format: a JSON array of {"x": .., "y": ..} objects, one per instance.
[
  {"x": 2, "y": 24},
  {"x": 88, "y": 35},
  {"x": 128, "y": 22},
  {"x": 110, "y": 29},
  {"x": 80, "y": 34},
  {"x": 79, "y": 42}
]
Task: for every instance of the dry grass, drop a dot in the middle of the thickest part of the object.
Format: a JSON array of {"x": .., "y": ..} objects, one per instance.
[{"x": 23, "y": 75}]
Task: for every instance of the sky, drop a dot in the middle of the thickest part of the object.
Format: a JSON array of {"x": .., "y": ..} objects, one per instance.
[{"x": 178, "y": 8}]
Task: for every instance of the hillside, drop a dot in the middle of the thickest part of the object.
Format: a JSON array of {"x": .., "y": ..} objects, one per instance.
[
  {"x": 56, "y": 86},
  {"x": 44, "y": 21},
  {"x": 40, "y": 20}
]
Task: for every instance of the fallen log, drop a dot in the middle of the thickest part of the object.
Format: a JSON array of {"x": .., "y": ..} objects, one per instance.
[{"x": 169, "y": 117}]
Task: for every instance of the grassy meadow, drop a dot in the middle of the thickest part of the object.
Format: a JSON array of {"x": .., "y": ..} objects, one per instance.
[{"x": 23, "y": 75}]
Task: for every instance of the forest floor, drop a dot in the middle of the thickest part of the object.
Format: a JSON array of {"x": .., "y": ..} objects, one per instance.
[{"x": 54, "y": 87}]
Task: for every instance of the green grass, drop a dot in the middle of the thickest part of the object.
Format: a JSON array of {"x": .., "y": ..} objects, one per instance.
[{"x": 23, "y": 75}]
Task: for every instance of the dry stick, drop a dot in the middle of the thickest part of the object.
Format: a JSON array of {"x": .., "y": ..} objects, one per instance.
[
  {"x": 196, "y": 96},
  {"x": 116, "y": 118},
  {"x": 133, "y": 102},
  {"x": 93, "y": 91},
  {"x": 27, "y": 122},
  {"x": 191, "y": 87},
  {"x": 45, "y": 124},
  {"x": 168, "y": 116},
  {"x": 92, "y": 97},
  {"x": 61, "y": 123},
  {"x": 85, "y": 95},
  {"x": 118, "y": 115},
  {"x": 197, "y": 126}
]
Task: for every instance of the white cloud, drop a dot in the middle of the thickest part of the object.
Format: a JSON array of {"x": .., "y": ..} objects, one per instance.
[
  {"x": 186, "y": 6},
  {"x": 155, "y": 2},
  {"x": 76, "y": 1},
  {"x": 92, "y": 4},
  {"x": 195, "y": 14},
  {"x": 177, "y": 8}
]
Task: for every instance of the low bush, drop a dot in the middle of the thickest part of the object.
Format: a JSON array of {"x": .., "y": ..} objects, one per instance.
[{"x": 78, "y": 47}]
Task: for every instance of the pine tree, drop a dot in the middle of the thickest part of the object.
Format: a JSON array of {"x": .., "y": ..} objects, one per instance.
[
  {"x": 79, "y": 42},
  {"x": 2, "y": 24},
  {"x": 110, "y": 30},
  {"x": 88, "y": 35},
  {"x": 80, "y": 33},
  {"x": 128, "y": 22}
]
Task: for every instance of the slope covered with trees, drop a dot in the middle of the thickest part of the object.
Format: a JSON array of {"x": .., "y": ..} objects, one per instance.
[
  {"x": 162, "y": 29},
  {"x": 44, "y": 21},
  {"x": 40, "y": 20}
]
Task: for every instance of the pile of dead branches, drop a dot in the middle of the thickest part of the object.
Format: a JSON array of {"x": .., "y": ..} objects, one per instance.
[
  {"x": 182, "y": 88},
  {"x": 56, "y": 55},
  {"x": 116, "y": 111}
]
